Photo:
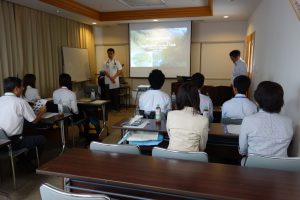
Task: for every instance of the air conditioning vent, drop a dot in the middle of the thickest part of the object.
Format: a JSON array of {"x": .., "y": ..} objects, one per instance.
[
  {"x": 143, "y": 3},
  {"x": 296, "y": 6}
]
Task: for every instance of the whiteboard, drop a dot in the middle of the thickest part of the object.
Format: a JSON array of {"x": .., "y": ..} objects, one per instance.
[
  {"x": 215, "y": 60},
  {"x": 76, "y": 63}
]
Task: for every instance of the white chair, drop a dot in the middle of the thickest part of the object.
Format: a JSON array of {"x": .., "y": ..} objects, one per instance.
[
  {"x": 115, "y": 148},
  {"x": 49, "y": 192},
  {"x": 287, "y": 164},
  {"x": 180, "y": 155},
  {"x": 13, "y": 154}
]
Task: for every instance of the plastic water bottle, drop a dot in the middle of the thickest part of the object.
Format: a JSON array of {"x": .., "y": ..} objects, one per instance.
[
  {"x": 157, "y": 114},
  {"x": 93, "y": 94},
  {"x": 60, "y": 107}
]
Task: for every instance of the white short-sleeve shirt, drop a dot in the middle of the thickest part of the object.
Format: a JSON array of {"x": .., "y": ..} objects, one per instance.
[
  {"x": 188, "y": 131},
  {"x": 238, "y": 107},
  {"x": 67, "y": 97},
  {"x": 13, "y": 111},
  {"x": 239, "y": 68},
  {"x": 266, "y": 134},
  {"x": 111, "y": 67},
  {"x": 31, "y": 94},
  {"x": 206, "y": 103},
  {"x": 151, "y": 98}
]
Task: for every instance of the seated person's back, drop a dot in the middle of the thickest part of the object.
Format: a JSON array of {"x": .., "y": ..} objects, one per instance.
[
  {"x": 64, "y": 94},
  {"x": 154, "y": 96},
  {"x": 267, "y": 132},
  {"x": 239, "y": 106},
  {"x": 30, "y": 93},
  {"x": 187, "y": 129},
  {"x": 205, "y": 101}
]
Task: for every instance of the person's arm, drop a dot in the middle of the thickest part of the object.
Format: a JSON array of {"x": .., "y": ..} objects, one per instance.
[
  {"x": 204, "y": 135},
  {"x": 74, "y": 106},
  {"x": 243, "y": 139},
  {"x": 39, "y": 115}
]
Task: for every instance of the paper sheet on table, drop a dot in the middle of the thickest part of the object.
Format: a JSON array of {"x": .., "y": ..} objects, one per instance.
[
  {"x": 233, "y": 129},
  {"x": 142, "y": 136},
  {"x": 48, "y": 115},
  {"x": 98, "y": 102}
]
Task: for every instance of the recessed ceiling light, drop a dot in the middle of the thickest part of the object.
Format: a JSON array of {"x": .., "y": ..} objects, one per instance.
[
  {"x": 57, "y": 11},
  {"x": 94, "y": 23},
  {"x": 155, "y": 20},
  {"x": 226, "y": 16}
]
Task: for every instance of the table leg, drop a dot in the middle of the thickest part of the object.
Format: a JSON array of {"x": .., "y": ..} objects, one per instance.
[
  {"x": 104, "y": 120},
  {"x": 62, "y": 132}
]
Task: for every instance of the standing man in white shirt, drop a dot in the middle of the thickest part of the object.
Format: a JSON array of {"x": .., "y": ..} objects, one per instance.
[
  {"x": 113, "y": 69},
  {"x": 239, "y": 106},
  {"x": 240, "y": 67},
  {"x": 13, "y": 111},
  {"x": 154, "y": 96},
  {"x": 205, "y": 101}
]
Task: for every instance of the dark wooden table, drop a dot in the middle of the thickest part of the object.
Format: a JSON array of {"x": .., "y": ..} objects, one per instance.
[
  {"x": 97, "y": 103},
  {"x": 157, "y": 178}
]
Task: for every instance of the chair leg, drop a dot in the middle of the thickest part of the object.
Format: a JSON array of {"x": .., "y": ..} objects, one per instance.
[
  {"x": 12, "y": 165},
  {"x": 37, "y": 156}
]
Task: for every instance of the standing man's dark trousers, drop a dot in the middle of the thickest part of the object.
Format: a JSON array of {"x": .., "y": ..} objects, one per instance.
[{"x": 114, "y": 99}]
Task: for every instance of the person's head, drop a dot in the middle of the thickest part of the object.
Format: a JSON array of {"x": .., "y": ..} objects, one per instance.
[
  {"x": 188, "y": 96},
  {"x": 241, "y": 84},
  {"x": 156, "y": 79},
  {"x": 13, "y": 84},
  {"x": 110, "y": 53},
  {"x": 269, "y": 96},
  {"x": 65, "y": 80},
  {"x": 235, "y": 55},
  {"x": 28, "y": 79},
  {"x": 198, "y": 79}
]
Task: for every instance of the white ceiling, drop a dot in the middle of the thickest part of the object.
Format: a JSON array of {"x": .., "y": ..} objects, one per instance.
[{"x": 237, "y": 10}]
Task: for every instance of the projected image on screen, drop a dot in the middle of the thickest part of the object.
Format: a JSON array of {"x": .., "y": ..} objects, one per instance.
[
  {"x": 165, "y": 46},
  {"x": 158, "y": 47}
]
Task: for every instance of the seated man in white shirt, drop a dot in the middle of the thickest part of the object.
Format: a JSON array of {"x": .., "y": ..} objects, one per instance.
[
  {"x": 205, "y": 101},
  {"x": 239, "y": 106},
  {"x": 13, "y": 111},
  {"x": 154, "y": 96}
]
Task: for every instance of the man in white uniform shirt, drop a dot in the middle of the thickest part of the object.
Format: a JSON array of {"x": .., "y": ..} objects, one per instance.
[
  {"x": 154, "y": 96},
  {"x": 205, "y": 101},
  {"x": 113, "y": 69},
  {"x": 240, "y": 67},
  {"x": 13, "y": 111},
  {"x": 239, "y": 106}
]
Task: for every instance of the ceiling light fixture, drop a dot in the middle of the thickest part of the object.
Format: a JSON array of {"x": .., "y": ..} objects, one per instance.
[
  {"x": 155, "y": 20},
  {"x": 226, "y": 16},
  {"x": 57, "y": 11},
  {"x": 94, "y": 23}
]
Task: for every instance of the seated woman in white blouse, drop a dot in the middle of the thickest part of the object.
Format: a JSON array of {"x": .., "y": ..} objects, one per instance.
[
  {"x": 30, "y": 93},
  {"x": 187, "y": 129},
  {"x": 266, "y": 133}
]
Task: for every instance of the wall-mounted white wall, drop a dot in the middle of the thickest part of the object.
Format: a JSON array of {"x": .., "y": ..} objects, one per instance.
[{"x": 277, "y": 57}]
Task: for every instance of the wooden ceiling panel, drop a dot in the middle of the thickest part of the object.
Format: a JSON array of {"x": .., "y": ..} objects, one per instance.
[{"x": 75, "y": 7}]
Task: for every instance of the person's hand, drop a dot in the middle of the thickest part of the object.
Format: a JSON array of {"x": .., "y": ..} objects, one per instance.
[
  {"x": 112, "y": 79},
  {"x": 42, "y": 110}
]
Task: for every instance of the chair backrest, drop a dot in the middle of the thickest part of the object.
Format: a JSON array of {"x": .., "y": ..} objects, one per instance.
[
  {"x": 115, "y": 148},
  {"x": 49, "y": 192},
  {"x": 227, "y": 120},
  {"x": 3, "y": 134},
  {"x": 180, "y": 155},
  {"x": 287, "y": 164}
]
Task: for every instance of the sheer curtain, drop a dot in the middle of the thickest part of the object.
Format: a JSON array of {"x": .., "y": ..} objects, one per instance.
[{"x": 32, "y": 41}]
